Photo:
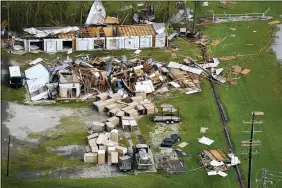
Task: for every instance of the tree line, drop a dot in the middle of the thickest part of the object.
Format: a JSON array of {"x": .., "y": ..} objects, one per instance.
[{"x": 23, "y": 14}]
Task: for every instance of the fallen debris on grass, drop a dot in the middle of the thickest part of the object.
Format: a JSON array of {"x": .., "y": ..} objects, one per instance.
[
  {"x": 274, "y": 22},
  {"x": 203, "y": 129},
  {"x": 183, "y": 144},
  {"x": 205, "y": 140}
]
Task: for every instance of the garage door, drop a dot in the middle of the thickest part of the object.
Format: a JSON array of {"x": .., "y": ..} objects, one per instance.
[
  {"x": 145, "y": 42},
  {"x": 129, "y": 43},
  {"x": 82, "y": 45},
  {"x": 160, "y": 42},
  {"x": 51, "y": 46}
]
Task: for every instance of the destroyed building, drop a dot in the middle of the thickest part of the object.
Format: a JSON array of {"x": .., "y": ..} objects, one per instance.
[
  {"x": 90, "y": 38},
  {"x": 100, "y": 32}
]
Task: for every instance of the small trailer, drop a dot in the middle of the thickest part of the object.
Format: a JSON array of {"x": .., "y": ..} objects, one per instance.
[
  {"x": 16, "y": 79},
  {"x": 166, "y": 119}
]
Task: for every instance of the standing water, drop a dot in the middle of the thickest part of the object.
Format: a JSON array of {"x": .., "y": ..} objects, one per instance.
[{"x": 277, "y": 47}]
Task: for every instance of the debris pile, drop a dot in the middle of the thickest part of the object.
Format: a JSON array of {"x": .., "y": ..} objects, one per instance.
[
  {"x": 168, "y": 160},
  {"x": 216, "y": 162},
  {"x": 86, "y": 77}
]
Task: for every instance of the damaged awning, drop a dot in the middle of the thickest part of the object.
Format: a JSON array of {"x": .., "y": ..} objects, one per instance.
[{"x": 41, "y": 33}]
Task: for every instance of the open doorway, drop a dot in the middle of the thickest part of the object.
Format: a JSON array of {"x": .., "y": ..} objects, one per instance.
[
  {"x": 36, "y": 46},
  {"x": 67, "y": 44},
  {"x": 99, "y": 44}
]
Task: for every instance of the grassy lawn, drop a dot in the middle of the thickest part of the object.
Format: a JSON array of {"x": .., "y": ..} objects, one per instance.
[
  {"x": 134, "y": 138},
  {"x": 258, "y": 91}
]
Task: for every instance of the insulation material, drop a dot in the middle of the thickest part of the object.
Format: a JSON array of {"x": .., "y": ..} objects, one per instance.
[
  {"x": 97, "y": 14},
  {"x": 205, "y": 140}
]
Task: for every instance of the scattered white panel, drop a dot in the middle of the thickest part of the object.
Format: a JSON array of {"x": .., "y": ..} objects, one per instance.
[
  {"x": 218, "y": 78},
  {"x": 205, "y": 140},
  {"x": 137, "y": 51},
  {"x": 183, "y": 144},
  {"x": 222, "y": 174},
  {"x": 234, "y": 159},
  {"x": 15, "y": 71},
  {"x": 174, "y": 65},
  {"x": 191, "y": 69},
  {"x": 218, "y": 71},
  {"x": 212, "y": 173},
  {"x": 216, "y": 163},
  {"x": 193, "y": 91},
  {"x": 174, "y": 84}
]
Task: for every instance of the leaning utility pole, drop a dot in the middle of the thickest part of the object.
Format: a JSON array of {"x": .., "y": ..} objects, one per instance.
[{"x": 251, "y": 143}]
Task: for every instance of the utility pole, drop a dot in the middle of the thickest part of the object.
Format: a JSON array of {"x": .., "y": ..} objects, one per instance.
[
  {"x": 194, "y": 18},
  {"x": 8, "y": 161},
  {"x": 251, "y": 143}
]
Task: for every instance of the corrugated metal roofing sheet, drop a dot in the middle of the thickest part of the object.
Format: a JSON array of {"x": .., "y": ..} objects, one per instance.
[{"x": 136, "y": 30}]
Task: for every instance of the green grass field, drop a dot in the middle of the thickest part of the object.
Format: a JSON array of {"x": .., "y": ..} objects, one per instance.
[{"x": 258, "y": 91}]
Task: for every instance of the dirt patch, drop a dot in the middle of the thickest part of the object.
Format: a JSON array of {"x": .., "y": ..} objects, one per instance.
[
  {"x": 162, "y": 131},
  {"x": 23, "y": 120},
  {"x": 100, "y": 171}
]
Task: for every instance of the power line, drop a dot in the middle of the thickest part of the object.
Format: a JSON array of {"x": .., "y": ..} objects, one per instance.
[{"x": 251, "y": 143}]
